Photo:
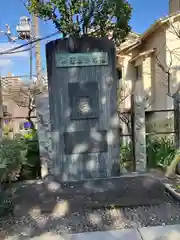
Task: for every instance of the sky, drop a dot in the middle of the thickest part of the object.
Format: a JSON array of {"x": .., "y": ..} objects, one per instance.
[{"x": 145, "y": 12}]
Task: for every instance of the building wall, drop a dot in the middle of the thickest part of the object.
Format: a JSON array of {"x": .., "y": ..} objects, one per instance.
[
  {"x": 18, "y": 114},
  {"x": 127, "y": 81},
  {"x": 153, "y": 77},
  {"x": 174, "y": 6},
  {"x": 11, "y": 82},
  {"x": 173, "y": 57},
  {"x": 153, "y": 83}
]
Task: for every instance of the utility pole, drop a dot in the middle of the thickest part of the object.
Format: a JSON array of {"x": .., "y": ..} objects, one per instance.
[
  {"x": 35, "y": 31},
  {"x": 30, "y": 63}
]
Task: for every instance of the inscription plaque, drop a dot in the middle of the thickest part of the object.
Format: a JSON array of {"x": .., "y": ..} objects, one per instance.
[
  {"x": 84, "y": 100},
  {"x": 81, "y": 59},
  {"x": 85, "y": 142}
]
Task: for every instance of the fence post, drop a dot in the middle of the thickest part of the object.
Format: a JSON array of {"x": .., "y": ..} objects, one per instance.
[{"x": 176, "y": 98}]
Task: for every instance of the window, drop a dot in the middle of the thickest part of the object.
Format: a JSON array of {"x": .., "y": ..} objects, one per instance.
[
  {"x": 4, "y": 109},
  {"x": 119, "y": 77},
  {"x": 21, "y": 125},
  {"x": 119, "y": 73},
  {"x": 138, "y": 71}
]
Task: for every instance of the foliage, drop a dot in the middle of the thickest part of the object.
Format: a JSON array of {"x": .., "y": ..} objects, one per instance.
[
  {"x": 31, "y": 167},
  {"x": 31, "y": 135},
  {"x": 174, "y": 167},
  {"x": 126, "y": 156},
  {"x": 160, "y": 151},
  {"x": 79, "y": 18},
  {"x": 19, "y": 158},
  {"x": 12, "y": 155},
  {"x": 7, "y": 129},
  {"x": 126, "y": 152}
]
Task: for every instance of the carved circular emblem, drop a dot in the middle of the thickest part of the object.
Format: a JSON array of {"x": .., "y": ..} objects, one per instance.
[{"x": 84, "y": 106}]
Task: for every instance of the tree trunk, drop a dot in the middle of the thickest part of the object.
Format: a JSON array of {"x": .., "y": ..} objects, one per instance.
[{"x": 30, "y": 110}]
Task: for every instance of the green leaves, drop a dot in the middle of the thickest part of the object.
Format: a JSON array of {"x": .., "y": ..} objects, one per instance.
[
  {"x": 82, "y": 17},
  {"x": 160, "y": 151},
  {"x": 12, "y": 154},
  {"x": 19, "y": 158}
]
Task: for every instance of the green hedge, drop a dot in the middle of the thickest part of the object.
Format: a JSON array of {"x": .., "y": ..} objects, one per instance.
[{"x": 19, "y": 158}]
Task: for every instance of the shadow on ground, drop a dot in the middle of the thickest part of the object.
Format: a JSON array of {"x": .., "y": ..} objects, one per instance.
[{"x": 49, "y": 206}]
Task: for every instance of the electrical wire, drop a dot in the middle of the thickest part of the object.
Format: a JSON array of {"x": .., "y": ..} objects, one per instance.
[
  {"x": 20, "y": 51},
  {"x": 9, "y": 51}
]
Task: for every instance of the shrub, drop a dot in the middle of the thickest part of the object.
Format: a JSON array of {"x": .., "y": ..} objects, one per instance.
[
  {"x": 19, "y": 158},
  {"x": 126, "y": 158},
  {"x": 31, "y": 167},
  {"x": 12, "y": 156},
  {"x": 160, "y": 151},
  {"x": 31, "y": 135}
]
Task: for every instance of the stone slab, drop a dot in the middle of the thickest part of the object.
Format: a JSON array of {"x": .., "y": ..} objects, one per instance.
[
  {"x": 127, "y": 234},
  {"x": 169, "y": 232},
  {"x": 81, "y": 196},
  {"x": 93, "y": 91},
  {"x": 124, "y": 191}
]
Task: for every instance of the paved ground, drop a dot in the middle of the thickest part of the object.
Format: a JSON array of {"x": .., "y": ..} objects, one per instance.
[{"x": 171, "y": 232}]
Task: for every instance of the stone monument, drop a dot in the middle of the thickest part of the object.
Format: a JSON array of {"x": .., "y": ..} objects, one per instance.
[
  {"x": 84, "y": 125},
  {"x": 79, "y": 129}
]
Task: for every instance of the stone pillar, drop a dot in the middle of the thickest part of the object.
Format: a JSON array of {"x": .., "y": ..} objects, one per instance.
[
  {"x": 44, "y": 134},
  {"x": 82, "y": 84},
  {"x": 139, "y": 128}
]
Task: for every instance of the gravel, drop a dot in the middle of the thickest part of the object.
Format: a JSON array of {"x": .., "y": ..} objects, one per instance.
[{"x": 35, "y": 223}]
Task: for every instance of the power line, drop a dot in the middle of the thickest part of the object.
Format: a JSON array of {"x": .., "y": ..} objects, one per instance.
[
  {"x": 9, "y": 51},
  {"x": 20, "y": 51},
  {"x": 17, "y": 76}
]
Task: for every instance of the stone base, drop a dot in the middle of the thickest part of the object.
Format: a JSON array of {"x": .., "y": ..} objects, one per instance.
[{"x": 124, "y": 191}]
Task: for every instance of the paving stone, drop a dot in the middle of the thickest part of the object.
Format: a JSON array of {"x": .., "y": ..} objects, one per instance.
[
  {"x": 169, "y": 232},
  {"x": 127, "y": 234}
]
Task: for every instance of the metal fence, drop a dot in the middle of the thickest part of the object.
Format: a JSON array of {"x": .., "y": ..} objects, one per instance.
[{"x": 159, "y": 124}]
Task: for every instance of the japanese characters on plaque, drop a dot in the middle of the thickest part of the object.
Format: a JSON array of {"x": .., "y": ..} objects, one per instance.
[{"x": 81, "y": 59}]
